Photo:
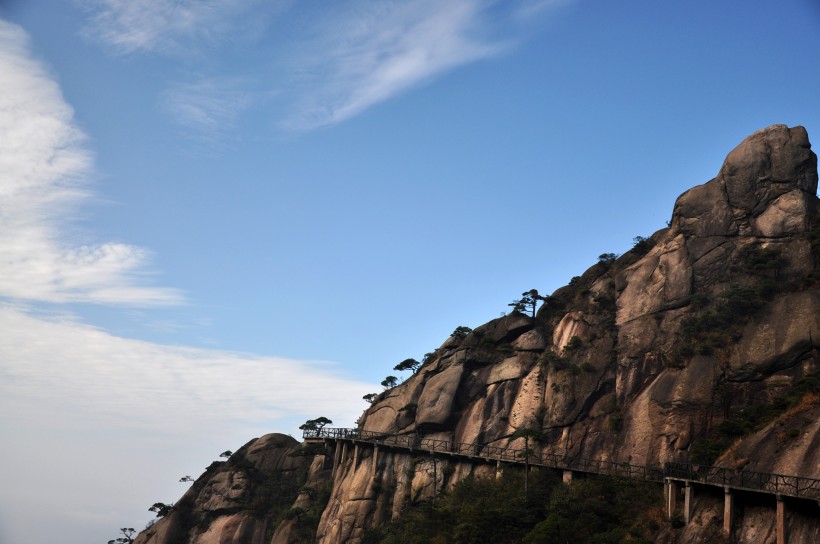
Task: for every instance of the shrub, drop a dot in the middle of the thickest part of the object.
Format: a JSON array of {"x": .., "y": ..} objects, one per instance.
[
  {"x": 574, "y": 343},
  {"x": 756, "y": 260},
  {"x": 642, "y": 245},
  {"x": 615, "y": 421}
]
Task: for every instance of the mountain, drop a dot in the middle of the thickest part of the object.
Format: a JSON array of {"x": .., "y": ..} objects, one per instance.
[{"x": 699, "y": 345}]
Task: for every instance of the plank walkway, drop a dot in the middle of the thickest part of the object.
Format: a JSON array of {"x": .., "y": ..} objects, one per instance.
[{"x": 761, "y": 482}]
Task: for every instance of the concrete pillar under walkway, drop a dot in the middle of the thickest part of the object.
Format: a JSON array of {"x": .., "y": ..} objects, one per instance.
[
  {"x": 567, "y": 477},
  {"x": 688, "y": 502},
  {"x": 781, "y": 521},
  {"x": 337, "y": 450},
  {"x": 375, "y": 463},
  {"x": 728, "y": 511},
  {"x": 672, "y": 492}
]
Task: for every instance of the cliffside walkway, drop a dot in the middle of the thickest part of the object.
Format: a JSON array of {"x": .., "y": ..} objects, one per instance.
[
  {"x": 761, "y": 482},
  {"x": 678, "y": 478}
]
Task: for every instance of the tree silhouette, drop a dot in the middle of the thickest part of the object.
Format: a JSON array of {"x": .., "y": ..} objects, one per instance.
[
  {"x": 528, "y": 302},
  {"x": 390, "y": 382},
  {"x": 126, "y": 538},
  {"x": 527, "y": 434},
  {"x": 315, "y": 424},
  {"x": 408, "y": 364},
  {"x": 161, "y": 509}
]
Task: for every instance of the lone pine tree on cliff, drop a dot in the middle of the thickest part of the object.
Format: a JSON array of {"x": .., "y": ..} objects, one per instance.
[
  {"x": 527, "y": 303},
  {"x": 315, "y": 424}
]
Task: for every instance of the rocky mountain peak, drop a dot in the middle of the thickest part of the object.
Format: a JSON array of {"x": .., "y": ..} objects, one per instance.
[
  {"x": 701, "y": 344},
  {"x": 764, "y": 188}
]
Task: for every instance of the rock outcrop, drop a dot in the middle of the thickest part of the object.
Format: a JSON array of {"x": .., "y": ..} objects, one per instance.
[
  {"x": 696, "y": 345},
  {"x": 237, "y": 501}
]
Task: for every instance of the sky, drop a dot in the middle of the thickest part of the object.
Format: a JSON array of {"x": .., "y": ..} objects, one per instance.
[{"x": 221, "y": 218}]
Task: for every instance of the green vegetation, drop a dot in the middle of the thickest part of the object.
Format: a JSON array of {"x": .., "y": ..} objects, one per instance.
[
  {"x": 642, "y": 245},
  {"x": 315, "y": 424},
  {"x": 574, "y": 343},
  {"x": 750, "y": 419},
  {"x": 607, "y": 258},
  {"x": 161, "y": 509},
  {"x": 550, "y": 358},
  {"x": 718, "y": 323},
  {"x": 307, "y": 520},
  {"x": 528, "y": 302},
  {"x": 595, "y": 509},
  {"x": 407, "y": 364},
  {"x": 308, "y": 450},
  {"x": 126, "y": 538},
  {"x": 390, "y": 382},
  {"x": 461, "y": 332},
  {"x": 410, "y": 408}
]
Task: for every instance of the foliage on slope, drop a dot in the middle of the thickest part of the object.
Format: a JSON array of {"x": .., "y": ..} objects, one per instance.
[{"x": 591, "y": 510}]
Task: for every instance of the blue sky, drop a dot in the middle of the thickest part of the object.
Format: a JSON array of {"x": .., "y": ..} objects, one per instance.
[{"x": 222, "y": 218}]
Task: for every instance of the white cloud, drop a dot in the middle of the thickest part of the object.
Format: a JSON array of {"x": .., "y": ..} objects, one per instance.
[
  {"x": 44, "y": 170},
  {"x": 98, "y": 427},
  {"x": 162, "y": 25},
  {"x": 369, "y": 55},
  {"x": 92, "y": 379}
]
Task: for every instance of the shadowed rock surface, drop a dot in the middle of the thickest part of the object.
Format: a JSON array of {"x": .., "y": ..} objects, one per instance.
[{"x": 698, "y": 345}]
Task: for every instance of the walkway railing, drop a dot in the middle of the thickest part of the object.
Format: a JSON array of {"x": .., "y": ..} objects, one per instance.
[{"x": 780, "y": 484}]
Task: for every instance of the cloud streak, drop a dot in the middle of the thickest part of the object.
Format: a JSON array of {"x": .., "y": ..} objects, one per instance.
[
  {"x": 44, "y": 173},
  {"x": 369, "y": 56},
  {"x": 131, "y": 26},
  {"x": 333, "y": 63},
  {"x": 208, "y": 109}
]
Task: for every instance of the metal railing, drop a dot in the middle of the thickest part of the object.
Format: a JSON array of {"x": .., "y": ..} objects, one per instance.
[{"x": 780, "y": 484}]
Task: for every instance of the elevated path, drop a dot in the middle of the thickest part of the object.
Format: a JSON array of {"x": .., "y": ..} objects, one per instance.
[{"x": 760, "y": 482}]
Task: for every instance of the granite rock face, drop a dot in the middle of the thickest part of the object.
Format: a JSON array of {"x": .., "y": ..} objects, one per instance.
[
  {"x": 639, "y": 359},
  {"x": 606, "y": 369},
  {"x": 230, "y": 503}
]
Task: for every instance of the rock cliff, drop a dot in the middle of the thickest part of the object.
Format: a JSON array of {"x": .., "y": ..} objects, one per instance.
[{"x": 699, "y": 344}]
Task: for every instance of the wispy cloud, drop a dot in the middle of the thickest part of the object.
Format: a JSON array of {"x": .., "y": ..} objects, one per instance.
[
  {"x": 207, "y": 109},
  {"x": 334, "y": 62},
  {"x": 44, "y": 173},
  {"x": 367, "y": 56},
  {"x": 162, "y": 25}
]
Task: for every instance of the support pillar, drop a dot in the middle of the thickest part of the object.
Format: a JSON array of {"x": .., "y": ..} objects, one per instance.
[
  {"x": 781, "y": 521},
  {"x": 498, "y": 470},
  {"x": 355, "y": 456},
  {"x": 336, "y": 453},
  {"x": 672, "y": 492},
  {"x": 375, "y": 463},
  {"x": 688, "y": 502},
  {"x": 728, "y": 511},
  {"x": 567, "y": 477}
]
